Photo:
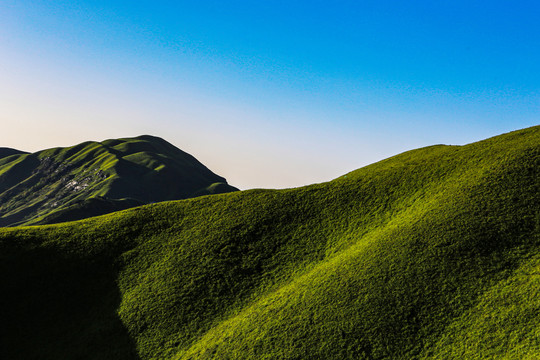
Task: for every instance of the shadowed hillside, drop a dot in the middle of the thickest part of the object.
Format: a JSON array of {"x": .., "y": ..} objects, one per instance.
[
  {"x": 4, "y": 152},
  {"x": 93, "y": 178},
  {"x": 431, "y": 254}
]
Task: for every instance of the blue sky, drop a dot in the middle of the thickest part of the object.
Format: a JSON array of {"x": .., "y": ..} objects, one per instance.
[{"x": 269, "y": 93}]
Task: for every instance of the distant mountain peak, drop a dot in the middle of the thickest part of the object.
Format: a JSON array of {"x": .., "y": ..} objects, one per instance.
[
  {"x": 54, "y": 184},
  {"x": 150, "y": 138}
]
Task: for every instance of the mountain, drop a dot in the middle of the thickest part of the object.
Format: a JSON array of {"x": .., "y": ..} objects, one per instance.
[
  {"x": 4, "y": 152},
  {"x": 430, "y": 254},
  {"x": 95, "y": 178}
]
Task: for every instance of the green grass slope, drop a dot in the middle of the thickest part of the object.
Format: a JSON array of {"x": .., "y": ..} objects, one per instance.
[
  {"x": 95, "y": 178},
  {"x": 431, "y": 254}
]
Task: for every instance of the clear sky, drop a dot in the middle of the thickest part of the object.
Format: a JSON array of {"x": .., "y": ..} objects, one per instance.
[{"x": 269, "y": 93}]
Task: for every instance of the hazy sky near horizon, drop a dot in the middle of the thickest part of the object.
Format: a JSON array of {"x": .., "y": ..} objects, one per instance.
[{"x": 269, "y": 93}]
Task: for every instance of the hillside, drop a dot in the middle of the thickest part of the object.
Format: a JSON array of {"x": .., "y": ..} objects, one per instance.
[
  {"x": 430, "y": 254},
  {"x": 95, "y": 178}
]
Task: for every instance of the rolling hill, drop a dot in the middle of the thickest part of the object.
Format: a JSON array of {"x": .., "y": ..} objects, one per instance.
[
  {"x": 430, "y": 254},
  {"x": 95, "y": 178}
]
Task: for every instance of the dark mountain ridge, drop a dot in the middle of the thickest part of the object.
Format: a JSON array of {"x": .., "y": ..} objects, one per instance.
[
  {"x": 5, "y": 152},
  {"x": 94, "y": 178}
]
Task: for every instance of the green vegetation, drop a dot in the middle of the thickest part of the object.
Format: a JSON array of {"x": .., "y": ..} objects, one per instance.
[
  {"x": 94, "y": 178},
  {"x": 431, "y": 254}
]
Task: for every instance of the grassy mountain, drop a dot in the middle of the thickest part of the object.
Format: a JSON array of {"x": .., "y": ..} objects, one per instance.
[
  {"x": 431, "y": 254},
  {"x": 95, "y": 178},
  {"x": 4, "y": 152}
]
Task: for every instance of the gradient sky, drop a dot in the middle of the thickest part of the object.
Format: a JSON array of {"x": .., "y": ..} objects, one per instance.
[{"x": 269, "y": 93}]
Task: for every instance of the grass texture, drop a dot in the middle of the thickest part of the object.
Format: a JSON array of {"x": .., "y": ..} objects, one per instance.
[
  {"x": 431, "y": 254},
  {"x": 94, "y": 178}
]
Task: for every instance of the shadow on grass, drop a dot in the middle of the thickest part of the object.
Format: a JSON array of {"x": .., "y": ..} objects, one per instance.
[{"x": 60, "y": 307}]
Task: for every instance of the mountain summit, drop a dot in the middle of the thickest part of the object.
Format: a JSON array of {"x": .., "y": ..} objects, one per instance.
[
  {"x": 431, "y": 254},
  {"x": 95, "y": 178}
]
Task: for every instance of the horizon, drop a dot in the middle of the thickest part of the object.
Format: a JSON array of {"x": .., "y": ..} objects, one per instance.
[
  {"x": 307, "y": 184},
  {"x": 268, "y": 95}
]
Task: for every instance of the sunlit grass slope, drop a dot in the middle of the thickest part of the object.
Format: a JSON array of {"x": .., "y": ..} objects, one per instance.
[
  {"x": 95, "y": 178},
  {"x": 431, "y": 254}
]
